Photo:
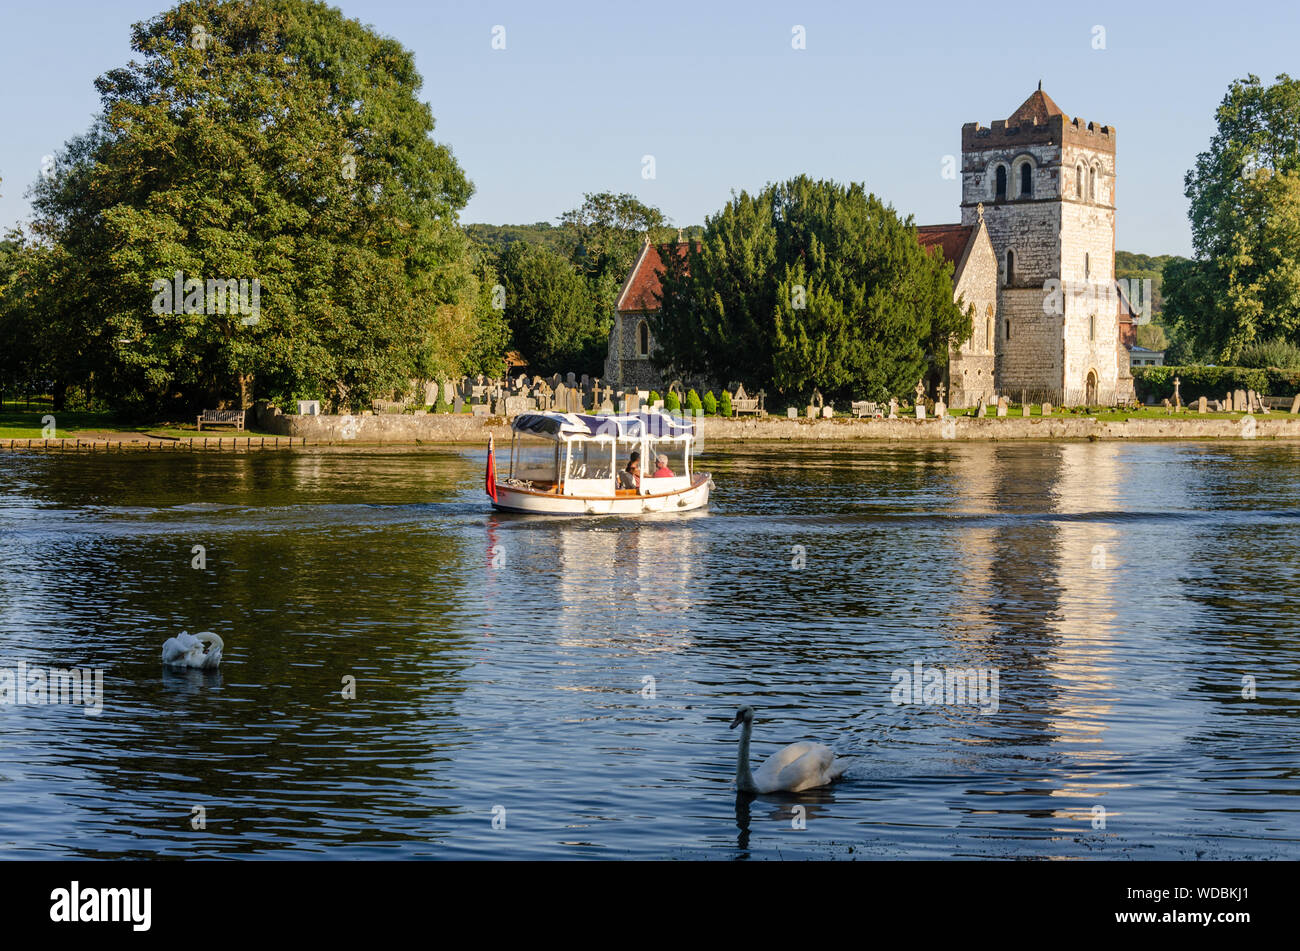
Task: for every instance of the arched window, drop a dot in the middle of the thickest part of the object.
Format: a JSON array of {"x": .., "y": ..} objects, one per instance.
[
  {"x": 1008, "y": 328},
  {"x": 1001, "y": 191},
  {"x": 1078, "y": 182},
  {"x": 988, "y": 330},
  {"x": 1092, "y": 327},
  {"x": 1026, "y": 181},
  {"x": 1092, "y": 185},
  {"x": 643, "y": 339},
  {"x": 1087, "y": 266},
  {"x": 1011, "y": 267}
]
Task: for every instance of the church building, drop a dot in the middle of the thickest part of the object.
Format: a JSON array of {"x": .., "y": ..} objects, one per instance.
[{"x": 1033, "y": 255}]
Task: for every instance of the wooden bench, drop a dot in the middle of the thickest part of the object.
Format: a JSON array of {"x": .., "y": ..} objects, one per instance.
[
  {"x": 863, "y": 408},
  {"x": 743, "y": 403},
  {"x": 222, "y": 417}
]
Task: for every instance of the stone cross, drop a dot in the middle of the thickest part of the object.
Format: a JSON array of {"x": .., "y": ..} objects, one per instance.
[
  {"x": 920, "y": 389},
  {"x": 1178, "y": 400}
]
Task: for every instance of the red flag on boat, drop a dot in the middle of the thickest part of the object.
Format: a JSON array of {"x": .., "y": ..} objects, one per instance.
[{"x": 492, "y": 470}]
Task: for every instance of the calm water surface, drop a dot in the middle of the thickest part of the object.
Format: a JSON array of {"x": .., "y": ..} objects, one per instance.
[{"x": 1121, "y": 591}]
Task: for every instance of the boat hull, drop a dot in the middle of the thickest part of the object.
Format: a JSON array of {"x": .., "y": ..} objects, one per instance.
[{"x": 691, "y": 498}]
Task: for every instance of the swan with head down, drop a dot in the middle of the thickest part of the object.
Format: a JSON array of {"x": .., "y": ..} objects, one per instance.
[
  {"x": 799, "y": 766},
  {"x": 188, "y": 650}
]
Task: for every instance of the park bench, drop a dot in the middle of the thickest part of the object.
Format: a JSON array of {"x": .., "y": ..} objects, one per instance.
[
  {"x": 863, "y": 408},
  {"x": 743, "y": 403},
  {"x": 222, "y": 417}
]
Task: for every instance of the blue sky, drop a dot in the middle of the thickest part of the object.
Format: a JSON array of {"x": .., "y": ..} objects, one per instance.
[{"x": 716, "y": 93}]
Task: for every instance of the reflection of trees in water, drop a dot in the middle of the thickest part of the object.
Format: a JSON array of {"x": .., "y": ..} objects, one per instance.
[{"x": 268, "y": 744}]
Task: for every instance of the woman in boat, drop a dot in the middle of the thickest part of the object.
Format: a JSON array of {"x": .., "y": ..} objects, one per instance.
[{"x": 630, "y": 477}]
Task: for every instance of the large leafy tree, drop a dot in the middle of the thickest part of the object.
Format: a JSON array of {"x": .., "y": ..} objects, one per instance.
[
  {"x": 808, "y": 284},
  {"x": 549, "y": 307},
  {"x": 276, "y": 140},
  {"x": 1244, "y": 284}
]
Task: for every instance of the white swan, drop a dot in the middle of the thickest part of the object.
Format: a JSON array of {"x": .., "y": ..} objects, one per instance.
[
  {"x": 187, "y": 650},
  {"x": 799, "y": 766}
]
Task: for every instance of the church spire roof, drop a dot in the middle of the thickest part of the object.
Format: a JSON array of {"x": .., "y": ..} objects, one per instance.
[{"x": 1035, "y": 110}]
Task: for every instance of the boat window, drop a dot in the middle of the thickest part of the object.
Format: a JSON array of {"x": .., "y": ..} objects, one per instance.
[
  {"x": 590, "y": 460},
  {"x": 677, "y": 452},
  {"x": 534, "y": 459}
]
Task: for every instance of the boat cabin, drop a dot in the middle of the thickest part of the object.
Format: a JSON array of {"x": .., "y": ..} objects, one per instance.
[{"x": 571, "y": 454}]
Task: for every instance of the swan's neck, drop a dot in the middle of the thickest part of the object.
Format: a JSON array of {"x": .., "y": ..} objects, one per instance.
[
  {"x": 211, "y": 640},
  {"x": 745, "y": 778}
]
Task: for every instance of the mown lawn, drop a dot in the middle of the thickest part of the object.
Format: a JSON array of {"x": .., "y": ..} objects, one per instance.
[{"x": 29, "y": 424}]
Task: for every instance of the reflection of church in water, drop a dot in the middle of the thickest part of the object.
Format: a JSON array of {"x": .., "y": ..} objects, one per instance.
[{"x": 1037, "y": 205}]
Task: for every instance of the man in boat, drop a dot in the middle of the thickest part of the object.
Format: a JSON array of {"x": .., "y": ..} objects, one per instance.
[
  {"x": 661, "y": 467},
  {"x": 630, "y": 477}
]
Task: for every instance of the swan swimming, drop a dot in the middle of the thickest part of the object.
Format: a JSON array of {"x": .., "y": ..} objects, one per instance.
[
  {"x": 799, "y": 766},
  {"x": 187, "y": 650}
]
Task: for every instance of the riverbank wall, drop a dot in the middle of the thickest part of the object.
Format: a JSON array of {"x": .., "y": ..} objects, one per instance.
[{"x": 474, "y": 430}]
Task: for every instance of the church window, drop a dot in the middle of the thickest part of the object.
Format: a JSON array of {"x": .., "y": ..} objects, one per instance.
[
  {"x": 1008, "y": 329},
  {"x": 1002, "y": 183},
  {"x": 1092, "y": 185},
  {"x": 643, "y": 339},
  {"x": 1092, "y": 327},
  {"x": 1026, "y": 181},
  {"x": 1011, "y": 267},
  {"x": 1078, "y": 181},
  {"x": 1087, "y": 266}
]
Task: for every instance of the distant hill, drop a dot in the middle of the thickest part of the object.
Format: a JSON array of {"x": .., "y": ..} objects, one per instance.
[
  {"x": 558, "y": 238},
  {"x": 1130, "y": 265}
]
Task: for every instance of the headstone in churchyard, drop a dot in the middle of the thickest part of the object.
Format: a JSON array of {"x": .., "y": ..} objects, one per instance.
[
  {"x": 893, "y": 408},
  {"x": 828, "y": 412},
  {"x": 1169, "y": 407},
  {"x": 575, "y": 400},
  {"x": 458, "y": 405},
  {"x": 1250, "y": 401},
  {"x": 1295, "y": 404},
  {"x": 792, "y": 413},
  {"x": 586, "y": 381},
  {"x": 939, "y": 392},
  {"x": 979, "y": 409},
  {"x": 480, "y": 409},
  {"x": 560, "y": 402},
  {"x": 634, "y": 402},
  {"x": 570, "y": 379},
  {"x": 1024, "y": 407},
  {"x": 1227, "y": 403},
  {"x": 920, "y": 411},
  {"x": 1238, "y": 401},
  {"x": 920, "y": 391},
  {"x": 812, "y": 412},
  {"x": 607, "y": 404},
  {"x": 1047, "y": 409},
  {"x": 1178, "y": 400},
  {"x": 1002, "y": 406},
  {"x": 514, "y": 405},
  {"x": 817, "y": 399},
  {"x": 940, "y": 410},
  {"x": 1202, "y": 405}
]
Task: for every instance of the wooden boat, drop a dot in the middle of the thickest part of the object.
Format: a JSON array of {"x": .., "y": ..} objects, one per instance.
[{"x": 573, "y": 464}]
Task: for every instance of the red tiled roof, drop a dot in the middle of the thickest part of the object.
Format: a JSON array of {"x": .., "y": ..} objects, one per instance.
[
  {"x": 951, "y": 240},
  {"x": 640, "y": 293},
  {"x": 1035, "y": 110}
]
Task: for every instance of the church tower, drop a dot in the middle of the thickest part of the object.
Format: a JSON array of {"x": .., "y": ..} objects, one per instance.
[{"x": 1047, "y": 186}]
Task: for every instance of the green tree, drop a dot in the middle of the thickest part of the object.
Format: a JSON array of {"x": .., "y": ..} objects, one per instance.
[
  {"x": 1244, "y": 193},
  {"x": 724, "y": 404},
  {"x": 552, "y": 320},
  {"x": 271, "y": 140},
  {"x": 808, "y": 284},
  {"x": 710, "y": 404}
]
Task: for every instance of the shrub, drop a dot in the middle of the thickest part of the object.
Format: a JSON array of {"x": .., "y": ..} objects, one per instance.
[
  {"x": 710, "y": 404},
  {"x": 693, "y": 401},
  {"x": 1274, "y": 353},
  {"x": 654, "y": 398},
  {"x": 440, "y": 405},
  {"x": 671, "y": 403},
  {"x": 724, "y": 404},
  {"x": 1211, "y": 382}
]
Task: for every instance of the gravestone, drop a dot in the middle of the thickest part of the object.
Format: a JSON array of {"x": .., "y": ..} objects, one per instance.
[
  {"x": 607, "y": 404},
  {"x": 940, "y": 410},
  {"x": 458, "y": 405},
  {"x": 1295, "y": 404},
  {"x": 560, "y": 402},
  {"x": 480, "y": 409},
  {"x": 1250, "y": 401},
  {"x": 1169, "y": 407},
  {"x": 1047, "y": 409},
  {"x": 1238, "y": 401},
  {"x": 632, "y": 401},
  {"x": 1201, "y": 405},
  {"x": 812, "y": 412},
  {"x": 792, "y": 413},
  {"x": 828, "y": 412},
  {"x": 1002, "y": 406},
  {"x": 1024, "y": 407},
  {"x": 979, "y": 409},
  {"x": 893, "y": 408},
  {"x": 920, "y": 411}
]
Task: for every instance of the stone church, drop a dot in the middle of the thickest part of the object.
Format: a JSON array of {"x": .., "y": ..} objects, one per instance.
[{"x": 1033, "y": 255}]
